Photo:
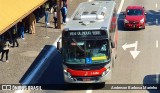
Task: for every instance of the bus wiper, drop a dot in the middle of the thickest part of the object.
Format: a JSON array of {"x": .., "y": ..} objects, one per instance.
[{"x": 78, "y": 45}]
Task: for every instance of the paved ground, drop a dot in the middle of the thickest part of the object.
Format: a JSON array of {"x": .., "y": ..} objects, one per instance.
[{"x": 20, "y": 58}]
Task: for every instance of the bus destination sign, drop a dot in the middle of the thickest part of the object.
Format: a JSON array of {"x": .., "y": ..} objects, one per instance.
[{"x": 85, "y": 33}]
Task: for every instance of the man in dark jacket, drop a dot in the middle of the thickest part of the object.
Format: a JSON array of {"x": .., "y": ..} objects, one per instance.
[{"x": 14, "y": 36}]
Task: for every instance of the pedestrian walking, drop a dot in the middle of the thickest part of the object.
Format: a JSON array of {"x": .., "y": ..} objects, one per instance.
[
  {"x": 55, "y": 17},
  {"x": 26, "y": 25},
  {"x": 22, "y": 30},
  {"x": 14, "y": 36},
  {"x": 47, "y": 13},
  {"x": 47, "y": 16},
  {"x": 64, "y": 13},
  {"x": 5, "y": 50}
]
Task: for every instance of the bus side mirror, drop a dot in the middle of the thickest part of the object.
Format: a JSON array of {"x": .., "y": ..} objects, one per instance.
[
  {"x": 59, "y": 45},
  {"x": 112, "y": 44}
]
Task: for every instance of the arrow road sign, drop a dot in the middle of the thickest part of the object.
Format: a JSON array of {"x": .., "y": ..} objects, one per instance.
[{"x": 134, "y": 53}]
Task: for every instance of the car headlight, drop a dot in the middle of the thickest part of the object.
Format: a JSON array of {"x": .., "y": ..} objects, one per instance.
[
  {"x": 106, "y": 71},
  {"x": 126, "y": 21},
  {"x": 142, "y": 20}
]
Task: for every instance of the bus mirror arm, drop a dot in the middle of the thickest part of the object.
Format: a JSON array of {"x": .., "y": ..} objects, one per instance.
[
  {"x": 58, "y": 47},
  {"x": 112, "y": 44}
]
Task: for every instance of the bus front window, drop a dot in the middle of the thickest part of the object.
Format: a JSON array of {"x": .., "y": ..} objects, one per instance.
[
  {"x": 97, "y": 51},
  {"x": 86, "y": 51}
]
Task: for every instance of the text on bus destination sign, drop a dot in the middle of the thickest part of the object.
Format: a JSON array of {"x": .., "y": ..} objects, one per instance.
[{"x": 85, "y": 33}]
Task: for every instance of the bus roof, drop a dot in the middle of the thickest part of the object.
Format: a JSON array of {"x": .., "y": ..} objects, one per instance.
[{"x": 92, "y": 15}]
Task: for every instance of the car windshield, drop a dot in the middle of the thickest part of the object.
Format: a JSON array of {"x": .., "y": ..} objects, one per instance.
[
  {"x": 85, "y": 51},
  {"x": 133, "y": 12}
]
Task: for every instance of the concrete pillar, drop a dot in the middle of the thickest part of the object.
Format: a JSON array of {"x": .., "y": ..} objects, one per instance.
[{"x": 59, "y": 14}]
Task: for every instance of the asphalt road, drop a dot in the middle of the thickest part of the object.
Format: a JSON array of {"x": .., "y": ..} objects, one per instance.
[{"x": 144, "y": 69}]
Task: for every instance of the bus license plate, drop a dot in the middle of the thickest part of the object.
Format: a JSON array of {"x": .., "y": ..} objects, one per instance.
[{"x": 86, "y": 79}]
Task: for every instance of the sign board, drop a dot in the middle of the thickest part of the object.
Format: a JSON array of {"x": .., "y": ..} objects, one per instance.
[{"x": 84, "y": 33}]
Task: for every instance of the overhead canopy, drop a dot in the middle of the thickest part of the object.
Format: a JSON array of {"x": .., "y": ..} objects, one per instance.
[{"x": 12, "y": 11}]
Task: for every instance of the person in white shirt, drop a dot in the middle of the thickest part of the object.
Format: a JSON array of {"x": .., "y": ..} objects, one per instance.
[{"x": 5, "y": 50}]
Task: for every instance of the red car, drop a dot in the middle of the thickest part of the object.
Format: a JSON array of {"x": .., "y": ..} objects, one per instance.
[{"x": 135, "y": 17}]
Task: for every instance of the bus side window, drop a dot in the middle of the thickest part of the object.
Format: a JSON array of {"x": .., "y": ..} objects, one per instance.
[{"x": 115, "y": 13}]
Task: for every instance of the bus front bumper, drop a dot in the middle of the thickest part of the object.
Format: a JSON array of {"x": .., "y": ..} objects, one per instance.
[{"x": 94, "y": 79}]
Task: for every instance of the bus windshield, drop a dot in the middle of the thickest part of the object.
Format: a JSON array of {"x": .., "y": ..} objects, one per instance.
[{"x": 86, "y": 51}]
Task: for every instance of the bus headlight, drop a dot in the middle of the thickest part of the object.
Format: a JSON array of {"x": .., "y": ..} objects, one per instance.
[
  {"x": 126, "y": 21},
  {"x": 142, "y": 20},
  {"x": 106, "y": 71}
]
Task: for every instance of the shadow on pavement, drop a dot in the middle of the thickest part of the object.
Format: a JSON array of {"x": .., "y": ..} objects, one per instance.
[
  {"x": 47, "y": 27},
  {"x": 152, "y": 82},
  {"x": 120, "y": 22},
  {"x": 47, "y": 64},
  {"x": 152, "y": 16}
]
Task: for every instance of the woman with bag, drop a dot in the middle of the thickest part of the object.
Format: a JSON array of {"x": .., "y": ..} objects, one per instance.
[{"x": 5, "y": 50}]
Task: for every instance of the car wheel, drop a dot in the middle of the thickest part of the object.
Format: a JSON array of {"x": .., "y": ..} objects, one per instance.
[
  {"x": 144, "y": 27},
  {"x": 125, "y": 29}
]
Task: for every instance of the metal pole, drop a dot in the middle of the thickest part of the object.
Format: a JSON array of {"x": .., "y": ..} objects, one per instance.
[
  {"x": 59, "y": 14},
  {"x": 46, "y": 30}
]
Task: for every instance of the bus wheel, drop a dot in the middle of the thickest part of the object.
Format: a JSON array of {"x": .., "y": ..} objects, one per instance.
[{"x": 116, "y": 53}]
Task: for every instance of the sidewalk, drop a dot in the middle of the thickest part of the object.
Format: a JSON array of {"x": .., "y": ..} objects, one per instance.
[{"x": 20, "y": 58}]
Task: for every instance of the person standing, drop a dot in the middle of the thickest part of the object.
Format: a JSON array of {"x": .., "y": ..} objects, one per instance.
[
  {"x": 55, "y": 17},
  {"x": 47, "y": 13},
  {"x": 64, "y": 13},
  {"x": 47, "y": 16},
  {"x": 26, "y": 26},
  {"x": 5, "y": 50},
  {"x": 32, "y": 23},
  {"x": 14, "y": 36},
  {"x": 65, "y": 2},
  {"x": 22, "y": 30}
]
